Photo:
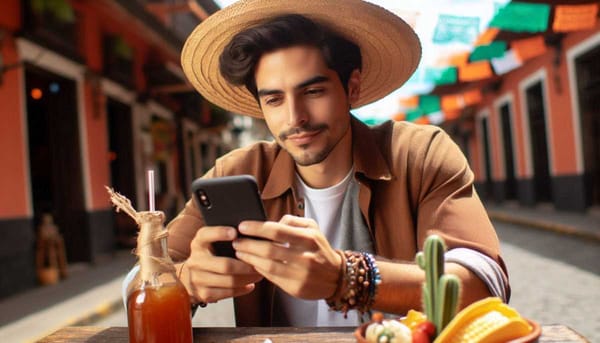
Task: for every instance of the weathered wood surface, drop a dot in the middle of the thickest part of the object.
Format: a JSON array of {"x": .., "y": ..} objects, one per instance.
[{"x": 550, "y": 333}]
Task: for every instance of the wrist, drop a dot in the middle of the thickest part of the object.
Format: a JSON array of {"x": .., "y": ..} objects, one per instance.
[{"x": 341, "y": 281}]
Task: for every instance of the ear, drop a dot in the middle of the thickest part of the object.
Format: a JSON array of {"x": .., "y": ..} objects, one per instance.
[{"x": 354, "y": 87}]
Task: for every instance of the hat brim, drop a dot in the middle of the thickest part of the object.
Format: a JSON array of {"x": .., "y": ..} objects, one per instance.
[{"x": 390, "y": 48}]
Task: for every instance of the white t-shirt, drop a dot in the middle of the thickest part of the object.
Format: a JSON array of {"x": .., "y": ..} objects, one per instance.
[{"x": 324, "y": 206}]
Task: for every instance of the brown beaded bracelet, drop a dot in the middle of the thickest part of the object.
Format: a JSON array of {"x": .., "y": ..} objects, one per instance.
[{"x": 358, "y": 288}]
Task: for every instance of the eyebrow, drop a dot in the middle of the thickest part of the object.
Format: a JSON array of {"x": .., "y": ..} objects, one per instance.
[{"x": 311, "y": 81}]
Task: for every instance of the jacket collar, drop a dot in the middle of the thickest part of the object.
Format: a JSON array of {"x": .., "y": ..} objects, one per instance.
[
  {"x": 366, "y": 151},
  {"x": 368, "y": 162}
]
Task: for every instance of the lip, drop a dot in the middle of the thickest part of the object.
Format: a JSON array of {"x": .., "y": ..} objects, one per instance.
[{"x": 304, "y": 138}]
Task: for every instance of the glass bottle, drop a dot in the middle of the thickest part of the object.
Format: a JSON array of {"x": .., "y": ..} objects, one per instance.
[{"x": 158, "y": 305}]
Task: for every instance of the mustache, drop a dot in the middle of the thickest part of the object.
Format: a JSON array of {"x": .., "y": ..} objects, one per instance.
[{"x": 300, "y": 129}]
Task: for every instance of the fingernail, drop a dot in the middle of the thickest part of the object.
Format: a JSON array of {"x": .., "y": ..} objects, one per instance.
[
  {"x": 231, "y": 233},
  {"x": 235, "y": 243},
  {"x": 243, "y": 227}
]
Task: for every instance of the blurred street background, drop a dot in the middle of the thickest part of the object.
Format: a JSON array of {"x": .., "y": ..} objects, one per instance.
[{"x": 93, "y": 94}]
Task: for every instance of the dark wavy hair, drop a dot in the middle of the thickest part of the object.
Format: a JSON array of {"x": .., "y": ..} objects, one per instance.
[{"x": 238, "y": 60}]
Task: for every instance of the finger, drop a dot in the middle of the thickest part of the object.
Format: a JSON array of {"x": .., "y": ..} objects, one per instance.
[
  {"x": 281, "y": 233},
  {"x": 220, "y": 265},
  {"x": 266, "y": 267},
  {"x": 209, "y": 234},
  {"x": 214, "y": 280},
  {"x": 266, "y": 249},
  {"x": 212, "y": 295},
  {"x": 291, "y": 220}
]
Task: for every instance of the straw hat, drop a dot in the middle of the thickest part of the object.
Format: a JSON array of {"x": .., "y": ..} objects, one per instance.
[{"x": 390, "y": 49}]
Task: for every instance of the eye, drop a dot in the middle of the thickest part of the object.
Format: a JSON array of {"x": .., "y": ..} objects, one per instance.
[
  {"x": 272, "y": 101},
  {"x": 314, "y": 91}
]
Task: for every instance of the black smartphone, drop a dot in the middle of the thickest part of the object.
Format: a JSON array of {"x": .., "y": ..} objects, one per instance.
[{"x": 227, "y": 201}]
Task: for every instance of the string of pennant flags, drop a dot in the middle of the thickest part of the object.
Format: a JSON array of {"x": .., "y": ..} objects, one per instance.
[{"x": 490, "y": 57}]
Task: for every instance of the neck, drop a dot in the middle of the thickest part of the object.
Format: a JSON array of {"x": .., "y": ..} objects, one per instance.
[{"x": 332, "y": 169}]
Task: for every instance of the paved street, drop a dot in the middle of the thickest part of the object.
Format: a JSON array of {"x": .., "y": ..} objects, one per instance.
[{"x": 555, "y": 279}]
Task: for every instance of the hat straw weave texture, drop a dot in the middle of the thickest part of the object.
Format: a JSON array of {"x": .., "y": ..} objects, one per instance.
[{"x": 390, "y": 48}]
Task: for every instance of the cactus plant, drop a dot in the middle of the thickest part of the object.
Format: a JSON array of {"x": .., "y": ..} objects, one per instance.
[{"x": 440, "y": 291}]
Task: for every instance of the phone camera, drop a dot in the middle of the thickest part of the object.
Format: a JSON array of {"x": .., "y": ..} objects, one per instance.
[{"x": 203, "y": 198}]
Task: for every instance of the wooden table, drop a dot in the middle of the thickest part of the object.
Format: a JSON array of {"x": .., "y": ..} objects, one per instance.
[{"x": 550, "y": 333}]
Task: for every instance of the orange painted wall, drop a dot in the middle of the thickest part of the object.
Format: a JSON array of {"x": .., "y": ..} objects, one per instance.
[
  {"x": 97, "y": 20},
  {"x": 13, "y": 183},
  {"x": 565, "y": 153},
  {"x": 474, "y": 160},
  {"x": 559, "y": 112},
  {"x": 10, "y": 15}
]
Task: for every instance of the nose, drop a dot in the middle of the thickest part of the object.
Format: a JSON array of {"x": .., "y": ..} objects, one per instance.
[{"x": 297, "y": 113}]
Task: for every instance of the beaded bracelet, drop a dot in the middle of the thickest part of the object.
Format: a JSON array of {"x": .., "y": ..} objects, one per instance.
[{"x": 359, "y": 286}]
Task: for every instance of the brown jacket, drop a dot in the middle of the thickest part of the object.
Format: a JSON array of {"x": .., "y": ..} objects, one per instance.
[{"x": 413, "y": 181}]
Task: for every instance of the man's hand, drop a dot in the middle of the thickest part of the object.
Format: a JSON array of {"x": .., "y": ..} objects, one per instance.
[
  {"x": 209, "y": 278},
  {"x": 296, "y": 257}
]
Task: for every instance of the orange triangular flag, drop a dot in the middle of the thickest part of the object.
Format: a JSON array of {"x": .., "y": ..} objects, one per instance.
[
  {"x": 422, "y": 120},
  {"x": 574, "y": 17},
  {"x": 475, "y": 71},
  {"x": 410, "y": 102},
  {"x": 487, "y": 36},
  {"x": 452, "y": 102},
  {"x": 399, "y": 116},
  {"x": 459, "y": 59},
  {"x": 528, "y": 48}
]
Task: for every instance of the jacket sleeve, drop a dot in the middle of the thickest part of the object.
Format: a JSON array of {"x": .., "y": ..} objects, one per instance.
[
  {"x": 184, "y": 226},
  {"x": 448, "y": 204}
]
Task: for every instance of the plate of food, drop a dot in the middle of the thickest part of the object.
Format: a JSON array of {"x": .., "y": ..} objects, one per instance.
[{"x": 488, "y": 320}]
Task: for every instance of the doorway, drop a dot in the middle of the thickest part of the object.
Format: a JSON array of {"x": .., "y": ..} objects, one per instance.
[
  {"x": 542, "y": 184},
  {"x": 510, "y": 181},
  {"x": 122, "y": 172},
  {"x": 588, "y": 86},
  {"x": 55, "y": 158},
  {"x": 487, "y": 159}
]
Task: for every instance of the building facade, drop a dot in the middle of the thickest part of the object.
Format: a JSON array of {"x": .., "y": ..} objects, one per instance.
[
  {"x": 93, "y": 95},
  {"x": 534, "y": 138}
]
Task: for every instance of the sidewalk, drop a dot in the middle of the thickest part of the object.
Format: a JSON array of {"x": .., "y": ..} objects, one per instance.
[
  {"x": 93, "y": 292},
  {"x": 583, "y": 225}
]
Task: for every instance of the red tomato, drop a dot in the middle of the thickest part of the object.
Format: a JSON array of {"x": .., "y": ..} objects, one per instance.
[
  {"x": 419, "y": 336},
  {"x": 426, "y": 327}
]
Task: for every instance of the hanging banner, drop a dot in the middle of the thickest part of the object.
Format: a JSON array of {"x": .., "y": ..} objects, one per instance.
[
  {"x": 399, "y": 116},
  {"x": 436, "y": 118},
  {"x": 452, "y": 102},
  {"x": 506, "y": 63},
  {"x": 424, "y": 120},
  {"x": 475, "y": 71},
  {"x": 441, "y": 76},
  {"x": 529, "y": 48},
  {"x": 414, "y": 114},
  {"x": 487, "y": 52},
  {"x": 522, "y": 17},
  {"x": 410, "y": 102},
  {"x": 574, "y": 17},
  {"x": 450, "y": 29},
  {"x": 429, "y": 103},
  {"x": 487, "y": 36}
]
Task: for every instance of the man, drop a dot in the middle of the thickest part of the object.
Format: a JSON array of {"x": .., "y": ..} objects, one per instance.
[{"x": 336, "y": 192}]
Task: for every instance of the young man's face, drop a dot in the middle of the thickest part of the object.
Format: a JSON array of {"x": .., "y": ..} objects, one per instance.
[{"x": 304, "y": 103}]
